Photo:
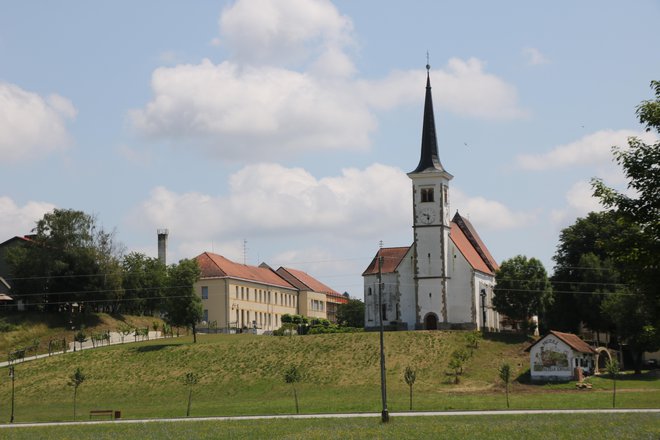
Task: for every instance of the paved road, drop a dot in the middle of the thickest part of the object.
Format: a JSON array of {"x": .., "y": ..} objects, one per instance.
[{"x": 341, "y": 416}]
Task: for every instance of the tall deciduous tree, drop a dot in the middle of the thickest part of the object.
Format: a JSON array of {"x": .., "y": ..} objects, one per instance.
[
  {"x": 522, "y": 289},
  {"x": 67, "y": 259},
  {"x": 144, "y": 279},
  {"x": 639, "y": 324},
  {"x": 585, "y": 272},
  {"x": 183, "y": 306}
]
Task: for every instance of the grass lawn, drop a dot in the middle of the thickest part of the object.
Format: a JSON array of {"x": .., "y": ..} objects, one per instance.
[
  {"x": 507, "y": 427},
  {"x": 243, "y": 375}
]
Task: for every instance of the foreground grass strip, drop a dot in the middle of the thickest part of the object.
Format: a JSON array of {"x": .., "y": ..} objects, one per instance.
[{"x": 546, "y": 426}]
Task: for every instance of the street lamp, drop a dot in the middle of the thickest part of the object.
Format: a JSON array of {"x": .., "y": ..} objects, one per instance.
[{"x": 483, "y": 309}]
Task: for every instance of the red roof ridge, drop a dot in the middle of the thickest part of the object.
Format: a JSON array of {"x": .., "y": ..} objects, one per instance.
[
  {"x": 392, "y": 257},
  {"x": 573, "y": 341}
]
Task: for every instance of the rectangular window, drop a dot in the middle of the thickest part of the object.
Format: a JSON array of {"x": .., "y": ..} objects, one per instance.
[
  {"x": 236, "y": 296},
  {"x": 205, "y": 318},
  {"x": 205, "y": 292},
  {"x": 383, "y": 315},
  {"x": 426, "y": 195}
]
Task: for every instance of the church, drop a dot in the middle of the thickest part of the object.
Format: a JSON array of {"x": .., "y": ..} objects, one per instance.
[{"x": 445, "y": 279}]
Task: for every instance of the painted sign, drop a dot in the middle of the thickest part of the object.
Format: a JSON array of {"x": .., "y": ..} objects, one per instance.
[{"x": 550, "y": 357}]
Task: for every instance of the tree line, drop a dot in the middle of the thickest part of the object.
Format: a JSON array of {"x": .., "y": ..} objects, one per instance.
[
  {"x": 607, "y": 265},
  {"x": 69, "y": 265}
]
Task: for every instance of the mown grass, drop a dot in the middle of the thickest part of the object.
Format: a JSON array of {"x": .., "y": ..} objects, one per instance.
[
  {"x": 509, "y": 427},
  {"x": 243, "y": 375},
  {"x": 43, "y": 327}
]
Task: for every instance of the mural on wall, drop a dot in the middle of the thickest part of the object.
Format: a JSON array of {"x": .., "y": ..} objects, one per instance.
[{"x": 550, "y": 357}]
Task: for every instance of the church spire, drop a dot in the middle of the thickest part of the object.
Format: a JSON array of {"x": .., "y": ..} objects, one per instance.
[{"x": 429, "y": 160}]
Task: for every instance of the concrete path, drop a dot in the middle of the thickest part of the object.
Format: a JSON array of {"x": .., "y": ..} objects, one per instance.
[
  {"x": 346, "y": 415},
  {"x": 115, "y": 338}
]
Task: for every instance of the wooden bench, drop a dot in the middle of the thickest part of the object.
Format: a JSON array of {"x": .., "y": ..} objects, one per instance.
[{"x": 102, "y": 413}]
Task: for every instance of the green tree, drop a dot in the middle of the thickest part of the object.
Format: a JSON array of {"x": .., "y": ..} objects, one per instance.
[
  {"x": 409, "y": 376},
  {"x": 457, "y": 362},
  {"x": 67, "y": 259},
  {"x": 522, "y": 289},
  {"x": 292, "y": 375},
  {"x": 183, "y": 306},
  {"x": 633, "y": 321},
  {"x": 190, "y": 380},
  {"x": 144, "y": 280},
  {"x": 612, "y": 368},
  {"x": 585, "y": 272},
  {"x": 75, "y": 380},
  {"x": 505, "y": 374},
  {"x": 351, "y": 314},
  {"x": 639, "y": 257}
]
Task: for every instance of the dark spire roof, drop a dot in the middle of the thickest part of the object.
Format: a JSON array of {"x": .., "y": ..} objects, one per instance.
[{"x": 429, "y": 158}]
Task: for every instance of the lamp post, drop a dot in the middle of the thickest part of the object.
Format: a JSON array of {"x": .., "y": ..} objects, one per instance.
[
  {"x": 483, "y": 309},
  {"x": 385, "y": 416}
]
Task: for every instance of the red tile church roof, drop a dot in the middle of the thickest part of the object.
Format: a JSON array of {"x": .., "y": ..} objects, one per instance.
[{"x": 391, "y": 259}]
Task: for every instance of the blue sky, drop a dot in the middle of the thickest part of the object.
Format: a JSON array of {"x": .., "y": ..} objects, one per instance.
[{"x": 291, "y": 124}]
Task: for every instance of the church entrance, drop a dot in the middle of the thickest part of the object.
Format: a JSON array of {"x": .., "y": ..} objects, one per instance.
[{"x": 431, "y": 322}]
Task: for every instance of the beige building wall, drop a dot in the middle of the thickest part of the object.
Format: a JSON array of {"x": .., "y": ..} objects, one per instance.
[
  {"x": 242, "y": 304},
  {"x": 313, "y": 304}
]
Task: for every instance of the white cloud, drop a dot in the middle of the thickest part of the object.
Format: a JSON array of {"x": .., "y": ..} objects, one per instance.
[
  {"x": 580, "y": 198},
  {"x": 20, "y": 220},
  {"x": 580, "y": 202},
  {"x": 284, "y": 32},
  {"x": 487, "y": 214},
  {"x": 271, "y": 199},
  {"x": 462, "y": 87},
  {"x": 30, "y": 125},
  {"x": 235, "y": 112},
  {"x": 590, "y": 149},
  {"x": 246, "y": 112},
  {"x": 534, "y": 56}
]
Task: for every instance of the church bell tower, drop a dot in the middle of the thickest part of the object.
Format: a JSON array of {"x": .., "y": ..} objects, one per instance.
[{"x": 431, "y": 225}]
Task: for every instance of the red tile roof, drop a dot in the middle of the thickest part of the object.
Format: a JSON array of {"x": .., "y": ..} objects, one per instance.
[
  {"x": 469, "y": 252},
  {"x": 479, "y": 246},
  {"x": 391, "y": 259},
  {"x": 217, "y": 266},
  {"x": 573, "y": 341},
  {"x": 303, "y": 281}
]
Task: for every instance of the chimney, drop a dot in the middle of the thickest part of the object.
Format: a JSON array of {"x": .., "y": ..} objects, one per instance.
[{"x": 162, "y": 245}]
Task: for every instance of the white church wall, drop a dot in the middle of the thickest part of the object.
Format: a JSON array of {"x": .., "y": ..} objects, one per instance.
[
  {"x": 407, "y": 291},
  {"x": 461, "y": 288},
  {"x": 487, "y": 283}
]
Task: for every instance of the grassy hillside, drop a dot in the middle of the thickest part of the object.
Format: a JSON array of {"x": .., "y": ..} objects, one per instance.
[
  {"x": 242, "y": 374},
  {"x": 21, "y": 329}
]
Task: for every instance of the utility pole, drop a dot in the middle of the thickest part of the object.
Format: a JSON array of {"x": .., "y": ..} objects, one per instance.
[
  {"x": 11, "y": 375},
  {"x": 385, "y": 416}
]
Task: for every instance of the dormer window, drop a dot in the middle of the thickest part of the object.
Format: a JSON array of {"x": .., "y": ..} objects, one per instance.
[{"x": 426, "y": 194}]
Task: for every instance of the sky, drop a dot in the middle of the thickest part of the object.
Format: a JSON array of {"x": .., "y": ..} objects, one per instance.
[{"x": 281, "y": 131}]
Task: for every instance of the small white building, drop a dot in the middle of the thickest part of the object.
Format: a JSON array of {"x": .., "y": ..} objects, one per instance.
[{"x": 556, "y": 357}]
